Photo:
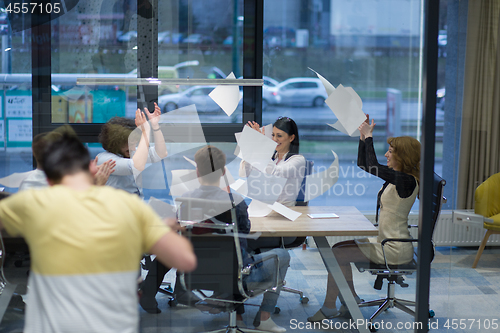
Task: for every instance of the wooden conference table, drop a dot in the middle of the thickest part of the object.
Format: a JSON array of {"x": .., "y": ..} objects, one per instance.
[{"x": 349, "y": 223}]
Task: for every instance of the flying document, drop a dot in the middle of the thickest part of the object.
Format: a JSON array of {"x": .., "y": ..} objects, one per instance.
[
  {"x": 346, "y": 105},
  {"x": 227, "y": 97},
  {"x": 256, "y": 149}
]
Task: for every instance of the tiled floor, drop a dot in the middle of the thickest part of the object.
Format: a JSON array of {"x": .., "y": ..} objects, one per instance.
[{"x": 464, "y": 299}]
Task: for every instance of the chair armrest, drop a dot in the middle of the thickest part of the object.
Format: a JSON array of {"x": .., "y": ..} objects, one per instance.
[
  {"x": 401, "y": 240},
  {"x": 469, "y": 218},
  {"x": 256, "y": 263}
]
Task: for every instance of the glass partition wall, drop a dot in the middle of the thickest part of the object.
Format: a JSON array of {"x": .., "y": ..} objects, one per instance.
[{"x": 375, "y": 47}]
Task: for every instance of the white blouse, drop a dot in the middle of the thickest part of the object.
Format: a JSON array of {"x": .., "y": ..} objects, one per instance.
[{"x": 293, "y": 169}]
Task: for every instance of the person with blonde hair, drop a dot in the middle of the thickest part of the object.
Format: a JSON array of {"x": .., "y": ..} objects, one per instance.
[{"x": 395, "y": 199}]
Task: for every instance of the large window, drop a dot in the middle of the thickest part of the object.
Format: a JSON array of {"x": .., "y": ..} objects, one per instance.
[{"x": 375, "y": 47}]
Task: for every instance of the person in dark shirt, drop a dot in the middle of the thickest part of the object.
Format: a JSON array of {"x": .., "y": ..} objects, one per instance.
[
  {"x": 395, "y": 199},
  {"x": 210, "y": 168}
]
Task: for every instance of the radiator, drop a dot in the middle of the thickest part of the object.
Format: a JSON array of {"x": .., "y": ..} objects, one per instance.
[{"x": 446, "y": 232}]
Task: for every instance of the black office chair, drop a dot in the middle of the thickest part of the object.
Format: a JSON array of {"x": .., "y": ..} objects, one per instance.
[
  {"x": 220, "y": 264},
  {"x": 394, "y": 273},
  {"x": 299, "y": 241}
]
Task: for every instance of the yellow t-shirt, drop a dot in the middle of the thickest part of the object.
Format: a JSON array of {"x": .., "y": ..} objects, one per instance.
[{"x": 85, "y": 249}]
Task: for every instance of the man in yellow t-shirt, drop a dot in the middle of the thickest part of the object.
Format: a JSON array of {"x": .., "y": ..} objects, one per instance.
[{"x": 85, "y": 243}]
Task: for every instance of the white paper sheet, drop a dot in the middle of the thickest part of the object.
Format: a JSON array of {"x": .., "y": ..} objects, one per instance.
[
  {"x": 264, "y": 187},
  {"x": 163, "y": 209},
  {"x": 346, "y": 108},
  {"x": 258, "y": 209},
  {"x": 180, "y": 117},
  {"x": 193, "y": 163},
  {"x": 15, "y": 179},
  {"x": 285, "y": 211},
  {"x": 256, "y": 149},
  {"x": 183, "y": 181},
  {"x": 240, "y": 186},
  {"x": 227, "y": 97},
  {"x": 328, "y": 86},
  {"x": 268, "y": 131},
  {"x": 237, "y": 150},
  {"x": 319, "y": 183},
  {"x": 338, "y": 126}
]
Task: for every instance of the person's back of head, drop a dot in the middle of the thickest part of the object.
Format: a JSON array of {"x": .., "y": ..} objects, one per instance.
[
  {"x": 115, "y": 134},
  {"x": 64, "y": 156},
  {"x": 40, "y": 142},
  {"x": 210, "y": 163}
]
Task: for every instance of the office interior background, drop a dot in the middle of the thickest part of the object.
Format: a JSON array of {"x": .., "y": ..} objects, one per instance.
[{"x": 374, "y": 46}]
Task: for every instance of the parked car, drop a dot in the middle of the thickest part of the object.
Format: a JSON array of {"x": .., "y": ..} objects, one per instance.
[
  {"x": 168, "y": 72},
  {"x": 197, "y": 95},
  {"x": 440, "y": 97},
  {"x": 129, "y": 36},
  {"x": 164, "y": 37},
  {"x": 198, "y": 39},
  {"x": 300, "y": 91},
  {"x": 267, "y": 91}
]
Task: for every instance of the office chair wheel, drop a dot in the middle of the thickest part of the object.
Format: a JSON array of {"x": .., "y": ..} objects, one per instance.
[
  {"x": 277, "y": 310},
  {"x": 372, "y": 329},
  {"x": 431, "y": 313},
  {"x": 172, "y": 302},
  {"x": 304, "y": 300}
]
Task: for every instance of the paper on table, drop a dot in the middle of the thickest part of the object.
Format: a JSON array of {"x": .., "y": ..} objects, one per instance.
[
  {"x": 328, "y": 86},
  {"x": 346, "y": 108},
  {"x": 15, "y": 179},
  {"x": 227, "y": 97},
  {"x": 285, "y": 211},
  {"x": 264, "y": 187},
  {"x": 256, "y": 149},
  {"x": 163, "y": 209},
  {"x": 319, "y": 183},
  {"x": 258, "y": 209}
]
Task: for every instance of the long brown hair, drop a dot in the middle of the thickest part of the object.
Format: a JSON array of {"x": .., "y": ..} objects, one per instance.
[{"x": 406, "y": 152}]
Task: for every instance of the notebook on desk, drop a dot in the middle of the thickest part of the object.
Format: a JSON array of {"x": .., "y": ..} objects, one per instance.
[{"x": 323, "y": 216}]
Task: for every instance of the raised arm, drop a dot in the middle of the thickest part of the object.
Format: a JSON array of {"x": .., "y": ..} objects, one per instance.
[
  {"x": 405, "y": 183},
  {"x": 141, "y": 154},
  {"x": 159, "y": 140}
]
